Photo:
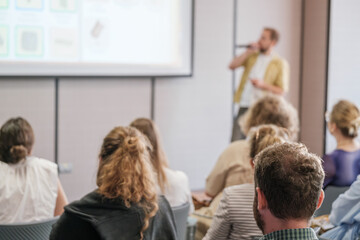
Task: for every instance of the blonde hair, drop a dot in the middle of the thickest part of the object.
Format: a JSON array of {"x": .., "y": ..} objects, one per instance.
[
  {"x": 264, "y": 136},
  {"x": 125, "y": 171},
  {"x": 346, "y": 116},
  {"x": 271, "y": 109},
  {"x": 158, "y": 157}
]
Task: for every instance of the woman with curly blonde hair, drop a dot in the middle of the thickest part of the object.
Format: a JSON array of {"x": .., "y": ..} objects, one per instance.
[{"x": 125, "y": 205}]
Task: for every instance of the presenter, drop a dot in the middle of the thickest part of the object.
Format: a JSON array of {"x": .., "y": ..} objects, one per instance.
[{"x": 264, "y": 73}]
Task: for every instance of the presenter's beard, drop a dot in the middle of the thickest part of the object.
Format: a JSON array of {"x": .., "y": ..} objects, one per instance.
[
  {"x": 263, "y": 50},
  {"x": 258, "y": 218}
]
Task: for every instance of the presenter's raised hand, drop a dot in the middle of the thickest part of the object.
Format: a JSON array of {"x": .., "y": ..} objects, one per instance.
[
  {"x": 239, "y": 60},
  {"x": 253, "y": 47}
]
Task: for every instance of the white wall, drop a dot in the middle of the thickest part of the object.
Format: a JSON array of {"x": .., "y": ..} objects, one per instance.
[
  {"x": 344, "y": 54},
  {"x": 194, "y": 114}
]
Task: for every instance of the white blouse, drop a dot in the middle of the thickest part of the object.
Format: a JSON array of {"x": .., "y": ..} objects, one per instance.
[
  {"x": 28, "y": 190},
  {"x": 177, "y": 192}
]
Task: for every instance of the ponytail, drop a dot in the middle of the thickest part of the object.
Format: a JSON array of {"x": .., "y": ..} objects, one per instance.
[{"x": 125, "y": 171}]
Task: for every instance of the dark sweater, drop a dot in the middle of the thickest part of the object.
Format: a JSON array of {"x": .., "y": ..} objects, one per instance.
[{"x": 96, "y": 217}]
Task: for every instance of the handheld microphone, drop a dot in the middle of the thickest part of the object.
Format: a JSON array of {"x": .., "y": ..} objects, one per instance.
[{"x": 243, "y": 46}]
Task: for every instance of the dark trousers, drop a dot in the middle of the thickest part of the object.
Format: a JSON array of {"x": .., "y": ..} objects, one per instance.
[{"x": 237, "y": 134}]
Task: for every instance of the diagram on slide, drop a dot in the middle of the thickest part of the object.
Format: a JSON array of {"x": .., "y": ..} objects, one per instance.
[
  {"x": 29, "y": 41},
  {"x": 29, "y": 4},
  {"x": 4, "y": 4},
  {"x": 64, "y": 43},
  {"x": 64, "y": 5},
  {"x": 4, "y": 41}
]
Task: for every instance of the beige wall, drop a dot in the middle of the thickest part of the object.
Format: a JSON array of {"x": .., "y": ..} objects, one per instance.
[
  {"x": 33, "y": 99},
  {"x": 88, "y": 110},
  {"x": 314, "y": 75}
]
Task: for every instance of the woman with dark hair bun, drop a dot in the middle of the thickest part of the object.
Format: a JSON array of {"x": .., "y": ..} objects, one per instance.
[
  {"x": 29, "y": 188},
  {"x": 125, "y": 205}
]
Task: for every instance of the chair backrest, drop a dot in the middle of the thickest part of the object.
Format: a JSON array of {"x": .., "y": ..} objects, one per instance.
[
  {"x": 27, "y": 231},
  {"x": 181, "y": 214},
  {"x": 331, "y": 194}
]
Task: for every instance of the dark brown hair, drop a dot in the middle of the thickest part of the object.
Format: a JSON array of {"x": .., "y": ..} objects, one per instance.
[
  {"x": 346, "y": 116},
  {"x": 158, "y": 158},
  {"x": 274, "y": 34},
  {"x": 291, "y": 179},
  {"x": 125, "y": 171},
  {"x": 16, "y": 140}
]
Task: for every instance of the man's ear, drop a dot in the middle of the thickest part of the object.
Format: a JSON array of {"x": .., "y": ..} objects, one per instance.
[
  {"x": 332, "y": 127},
  {"x": 321, "y": 199},
  {"x": 262, "y": 202},
  {"x": 252, "y": 163}
]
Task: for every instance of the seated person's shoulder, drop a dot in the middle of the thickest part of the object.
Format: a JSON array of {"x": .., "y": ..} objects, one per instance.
[
  {"x": 179, "y": 175},
  {"x": 236, "y": 147},
  {"x": 247, "y": 187},
  {"x": 41, "y": 162}
]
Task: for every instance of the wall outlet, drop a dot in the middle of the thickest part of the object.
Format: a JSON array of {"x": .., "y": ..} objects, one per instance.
[{"x": 65, "y": 167}]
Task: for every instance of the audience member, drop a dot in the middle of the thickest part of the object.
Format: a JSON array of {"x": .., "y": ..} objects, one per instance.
[
  {"x": 125, "y": 205},
  {"x": 30, "y": 189},
  {"x": 174, "y": 185},
  {"x": 343, "y": 165},
  {"x": 288, "y": 181},
  {"x": 233, "y": 167},
  {"x": 345, "y": 214},
  {"x": 234, "y": 217}
]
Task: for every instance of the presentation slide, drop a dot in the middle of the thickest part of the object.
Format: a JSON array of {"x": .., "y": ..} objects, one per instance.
[
  {"x": 344, "y": 55},
  {"x": 96, "y": 37}
]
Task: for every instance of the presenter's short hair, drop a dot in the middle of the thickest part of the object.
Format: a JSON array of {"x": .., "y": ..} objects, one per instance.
[{"x": 274, "y": 34}]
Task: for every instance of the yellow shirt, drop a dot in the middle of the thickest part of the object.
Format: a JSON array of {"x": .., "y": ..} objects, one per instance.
[{"x": 276, "y": 74}]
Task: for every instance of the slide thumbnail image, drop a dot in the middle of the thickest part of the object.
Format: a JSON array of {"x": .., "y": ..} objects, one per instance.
[
  {"x": 29, "y": 4},
  {"x": 64, "y": 43},
  {"x": 3, "y": 4},
  {"x": 4, "y": 43},
  {"x": 64, "y": 5},
  {"x": 29, "y": 41}
]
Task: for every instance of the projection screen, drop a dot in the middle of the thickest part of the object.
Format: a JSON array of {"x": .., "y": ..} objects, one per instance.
[{"x": 96, "y": 37}]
